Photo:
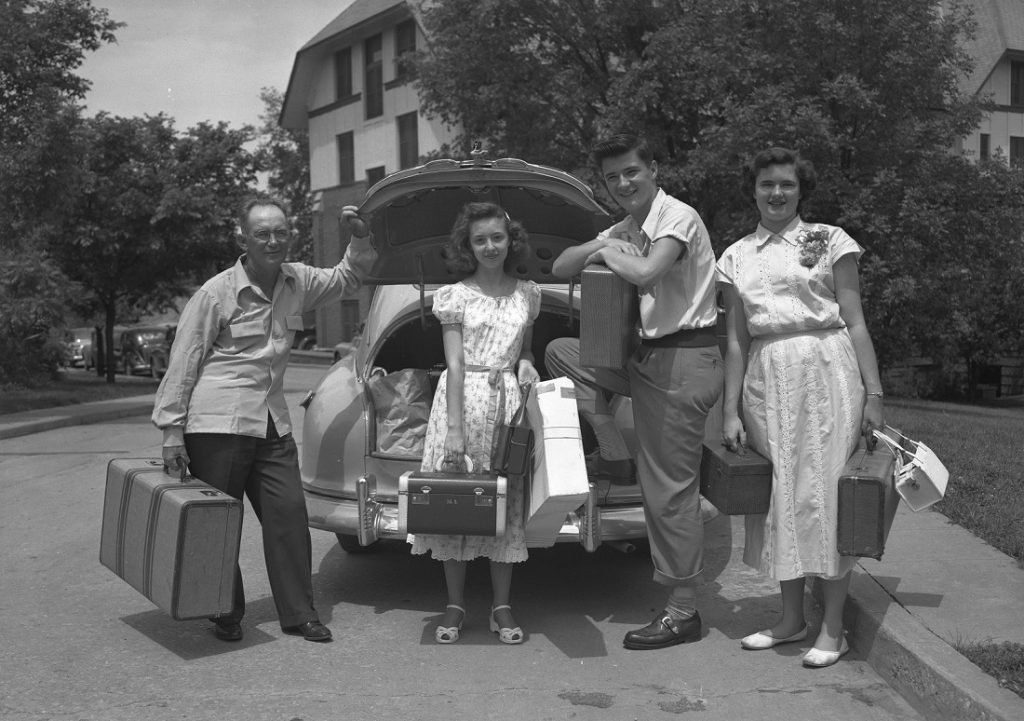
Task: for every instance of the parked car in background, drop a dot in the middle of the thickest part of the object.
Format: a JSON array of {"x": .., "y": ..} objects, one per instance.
[
  {"x": 350, "y": 466},
  {"x": 78, "y": 342},
  {"x": 137, "y": 347},
  {"x": 159, "y": 354}
]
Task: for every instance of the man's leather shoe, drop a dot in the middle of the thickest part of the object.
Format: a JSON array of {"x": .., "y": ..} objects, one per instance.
[
  {"x": 310, "y": 630},
  {"x": 621, "y": 472},
  {"x": 229, "y": 631},
  {"x": 664, "y": 631}
]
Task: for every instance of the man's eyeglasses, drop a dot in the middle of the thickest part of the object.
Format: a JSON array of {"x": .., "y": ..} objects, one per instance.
[{"x": 264, "y": 236}]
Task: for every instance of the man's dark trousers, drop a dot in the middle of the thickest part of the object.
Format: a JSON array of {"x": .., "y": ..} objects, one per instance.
[{"x": 267, "y": 471}]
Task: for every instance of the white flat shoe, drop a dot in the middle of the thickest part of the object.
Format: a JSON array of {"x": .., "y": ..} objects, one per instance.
[
  {"x": 764, "y": 639},
  {"x": 450, "y": 634},
  {"x": 505, "y": 635},
  {"x": 816, "y": 658}
]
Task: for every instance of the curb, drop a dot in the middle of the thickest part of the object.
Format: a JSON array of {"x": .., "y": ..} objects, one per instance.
[
  {"x": 934, "y": 678},
  {"x": 49, "y": 419}
]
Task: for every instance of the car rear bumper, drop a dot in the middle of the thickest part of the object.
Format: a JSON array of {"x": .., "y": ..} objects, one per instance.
[{"x": 370, "y": 520}]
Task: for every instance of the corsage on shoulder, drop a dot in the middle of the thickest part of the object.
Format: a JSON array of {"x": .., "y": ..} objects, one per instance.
[{"x": 813, "y": 244}]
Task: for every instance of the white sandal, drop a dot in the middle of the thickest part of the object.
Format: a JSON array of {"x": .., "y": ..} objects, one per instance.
[
  {"x": 450, "y": 634},
  {"x": 506, "y": 635}
]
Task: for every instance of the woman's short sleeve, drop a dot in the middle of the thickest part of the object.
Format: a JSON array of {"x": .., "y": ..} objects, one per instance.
[
  {"x": 533, "y": 300},
  {"x": 840, "y": 244},
  {"x": 725, "y": 268},
  {"x": 449, "y": 304}
]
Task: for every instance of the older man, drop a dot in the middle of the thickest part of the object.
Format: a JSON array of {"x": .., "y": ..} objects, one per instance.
[
  {"x": 674, "y": 377},
  {"x": 221, "y": 405}
]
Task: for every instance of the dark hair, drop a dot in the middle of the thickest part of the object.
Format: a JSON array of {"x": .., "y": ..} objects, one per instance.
[
  {"x": 459, "y": 256},
  {"x": 620, "y": 144},
  {"x": 253, "y": 201},
  {"x": 781, "y": 156}
]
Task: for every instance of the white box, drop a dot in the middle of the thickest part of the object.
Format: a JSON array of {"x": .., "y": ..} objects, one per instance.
[{"x": 558, "y": 484}]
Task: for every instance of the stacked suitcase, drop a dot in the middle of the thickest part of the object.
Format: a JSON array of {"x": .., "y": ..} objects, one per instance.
[
  {"x": 174, "y": 541},
  {"x": 609, "y": 311}
]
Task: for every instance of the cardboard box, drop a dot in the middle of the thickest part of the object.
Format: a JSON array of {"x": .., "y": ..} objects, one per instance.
[
  {"x": 558, "y": 484},
  {"x": 609, "y": 312}
]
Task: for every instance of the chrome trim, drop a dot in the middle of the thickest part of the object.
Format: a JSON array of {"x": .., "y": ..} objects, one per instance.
[{"x": 346, "y": 516}]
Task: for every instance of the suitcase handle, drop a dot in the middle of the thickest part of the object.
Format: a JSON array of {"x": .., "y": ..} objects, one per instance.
[{"x": 439, "y": 464}]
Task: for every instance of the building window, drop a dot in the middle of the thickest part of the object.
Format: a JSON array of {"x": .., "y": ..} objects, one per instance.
[
  {"x": 1017, "y": 151},
  {"x": 373, "y": 76},
  {"x": 984, "y": 149},
  {"x": 408, "y": 140},
  {"x": 343, "y": 74},
  {"x": 375, "y": 175},
  {"x": 1016, "y": 82},
  {"x": 405, "y": 42},
  {"x": 346, "y": 160}
]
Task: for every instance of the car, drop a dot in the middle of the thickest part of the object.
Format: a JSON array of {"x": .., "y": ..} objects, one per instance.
[
  {"x": 137, "y": 346},
  {"x": 350, "y": 481},
  {"x": 78, "y": 342},
  {"x": 158, "y": 354}
]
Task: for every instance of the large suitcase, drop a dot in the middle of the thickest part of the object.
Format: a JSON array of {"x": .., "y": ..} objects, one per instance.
[
  {"x": 735, "y": 483},
  {"x": 609, "y": 311},
  {"x": 449, "y": 503},
  {"x": 867, "y": 502},
  {"x": 175, "y": 542}
]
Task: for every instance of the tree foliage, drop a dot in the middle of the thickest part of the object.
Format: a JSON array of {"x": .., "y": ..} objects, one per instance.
[
  {"x": 153, "y": 212},
  {"x": 43, "y": 42},
  {"x": 866, "y": 89},
  {"x": 284, "y": 155}
]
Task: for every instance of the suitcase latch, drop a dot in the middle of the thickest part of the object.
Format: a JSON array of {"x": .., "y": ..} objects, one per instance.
[
  {"x": 483, "y": 501},
  {"x": 423, "y": 497}
]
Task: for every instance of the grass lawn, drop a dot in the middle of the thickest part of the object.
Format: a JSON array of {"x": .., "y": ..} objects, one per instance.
[
  {"x": 75, "y": 385},
  {"x": 983, "y": 450}
]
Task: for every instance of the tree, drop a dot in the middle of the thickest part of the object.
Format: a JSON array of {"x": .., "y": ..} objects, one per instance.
[
  {"x": 153, "y": 212},
  {"x": 44, "y": 42},
  {"x": 866, "y": 89},
  {"x": 284, "y": 155}
]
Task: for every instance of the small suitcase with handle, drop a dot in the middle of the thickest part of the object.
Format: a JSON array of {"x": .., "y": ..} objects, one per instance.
[
  {"x": 175, "y": 542},
  {"x": 452, "y": 503},
  {"x": 609, "y": 310},
  {"x": 735, "y": 483},
  {"x": 867, "y": 502}
]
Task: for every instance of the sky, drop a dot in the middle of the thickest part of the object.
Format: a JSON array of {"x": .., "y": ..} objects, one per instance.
[{"x": 197, "y": 60}]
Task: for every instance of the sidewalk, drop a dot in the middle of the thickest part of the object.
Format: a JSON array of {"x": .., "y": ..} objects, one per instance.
[{"x": 936, "y": 585}]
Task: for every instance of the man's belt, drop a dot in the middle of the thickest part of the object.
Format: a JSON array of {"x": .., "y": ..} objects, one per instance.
[{"x": 685, "y": 338}]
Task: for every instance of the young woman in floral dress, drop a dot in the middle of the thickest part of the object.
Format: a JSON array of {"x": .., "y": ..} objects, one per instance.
[
  {"x": 487, "y": 325},
  {"x": 799, "y": 350}
]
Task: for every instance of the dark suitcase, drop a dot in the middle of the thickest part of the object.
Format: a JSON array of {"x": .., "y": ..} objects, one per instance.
[
  {"x": 175, "y": 542},
  {"x": 736, "y": 483},
  {"x": 609, "y": 311},
  {"x": 449, "y": 503},
  {"x": 867, "y": 502},
  {"x": 513, "y": 445}
]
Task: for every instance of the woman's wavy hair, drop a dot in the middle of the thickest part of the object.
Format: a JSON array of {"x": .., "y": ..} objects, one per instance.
[
  {"x": 805, "y": 172},
  {"x": 459, "y": 256}
]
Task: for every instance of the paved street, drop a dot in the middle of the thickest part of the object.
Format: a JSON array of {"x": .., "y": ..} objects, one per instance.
[{"x": 79, "y": 644}]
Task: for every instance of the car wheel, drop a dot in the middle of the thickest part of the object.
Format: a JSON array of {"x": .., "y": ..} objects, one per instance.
[{"x": 350, "y": 544}]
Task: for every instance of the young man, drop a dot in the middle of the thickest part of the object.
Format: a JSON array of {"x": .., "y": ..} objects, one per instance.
[
  {"x": 221, "y": 404},
  {"x": 674, "y": 377}
]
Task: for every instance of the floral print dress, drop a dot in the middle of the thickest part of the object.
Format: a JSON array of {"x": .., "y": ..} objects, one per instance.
[
  {"x": 802, "y": 393},
  {"x": 492, "y": 338}
]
